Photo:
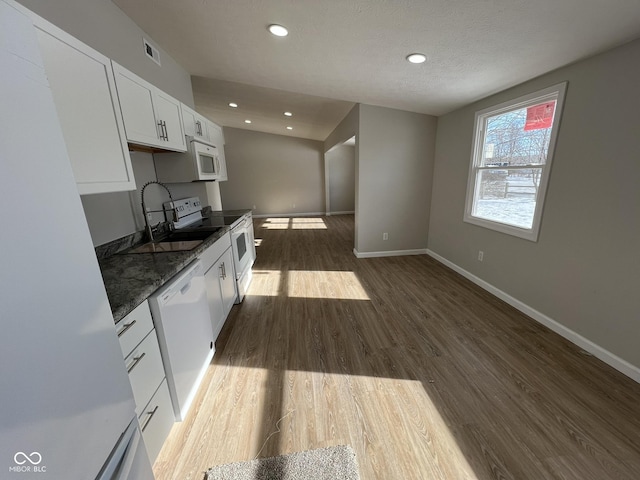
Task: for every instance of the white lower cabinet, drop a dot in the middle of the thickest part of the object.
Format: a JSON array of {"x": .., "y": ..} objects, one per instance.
[
  {"x": 146, "y": 372},
  {"x": 220, "y": 281},
  {"x": 156, "y": 420},
  {"x": 228, "y": 281},
  {"x": 214, "y": 297},
  {"x": 133, "y": 328},
  {"x": 143, "y": 361}
]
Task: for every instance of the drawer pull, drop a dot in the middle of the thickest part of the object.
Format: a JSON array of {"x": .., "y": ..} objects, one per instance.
[
  {"x": 149, "y": 417},
  {"x": 136, "y": 361},
  {"x": 126, "y": 327}
]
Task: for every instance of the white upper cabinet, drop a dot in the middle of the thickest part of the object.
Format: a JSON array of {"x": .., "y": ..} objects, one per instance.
[
  {"x": 194, "y": 124},
  {"x": 151, "y": 117},
  {"x": 216, "y": 137},
  {"x": 84, "y": 93},
  {"x": 168, "y": 111}
]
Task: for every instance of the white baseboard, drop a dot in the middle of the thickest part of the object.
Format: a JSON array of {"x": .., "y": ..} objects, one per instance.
[
  {"x": 390, "y": 253},
  {"x": 597, "y": 351},
  {"x": 283, "y": 215},
  {"x": 346, "y": 212}
]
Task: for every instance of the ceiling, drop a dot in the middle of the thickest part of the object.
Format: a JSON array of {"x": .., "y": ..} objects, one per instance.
[{"x": 341, "y": 52}]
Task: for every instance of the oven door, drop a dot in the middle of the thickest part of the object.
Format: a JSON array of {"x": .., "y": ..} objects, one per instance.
[
  {"x": 207, "y": 161},
  {"x": 241, "y": 249}
]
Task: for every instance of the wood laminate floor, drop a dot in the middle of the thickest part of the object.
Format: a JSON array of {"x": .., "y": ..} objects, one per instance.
[{"x": 424, "y": 374}]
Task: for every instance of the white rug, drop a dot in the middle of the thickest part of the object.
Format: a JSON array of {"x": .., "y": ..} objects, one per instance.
[{"x": 331, "y": 463}]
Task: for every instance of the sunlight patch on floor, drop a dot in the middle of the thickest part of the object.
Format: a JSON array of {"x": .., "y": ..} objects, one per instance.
[
  {"x": 276, "y": 223},
  {"x": 312, "y": 223},
  {"x": 325, "y": 284},
  {"x": 403, "y": 412},
  {"x": 265, "y": 283},
  {"x": 296, "y": 223}
]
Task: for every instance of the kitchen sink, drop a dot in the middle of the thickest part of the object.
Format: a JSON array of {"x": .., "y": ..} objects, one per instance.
[
  {"x": 176, "y": 241},
  {"x": 179, "y": 236}
]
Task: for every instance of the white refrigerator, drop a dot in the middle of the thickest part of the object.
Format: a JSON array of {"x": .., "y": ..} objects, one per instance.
[{"x": 66, "y": 405}]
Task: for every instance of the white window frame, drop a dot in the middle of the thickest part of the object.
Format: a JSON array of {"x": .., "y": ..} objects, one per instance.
[{"x": 555, "y": 91}]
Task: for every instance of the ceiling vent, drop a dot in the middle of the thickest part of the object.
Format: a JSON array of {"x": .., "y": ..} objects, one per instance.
[{"x": 151, "y": 51}]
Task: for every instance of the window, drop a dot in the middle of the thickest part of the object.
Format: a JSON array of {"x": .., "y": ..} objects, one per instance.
[{"x": 512, "y": 152}]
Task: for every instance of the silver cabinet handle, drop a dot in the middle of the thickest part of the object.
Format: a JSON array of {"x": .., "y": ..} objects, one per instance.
[
  {"x": 221, "y": 267},
  {"x": 136, "y": 361},
  {"x": 164, "y": 135},
  {"x": 149, "y": 417},
  {"x": 126, "y": 327}
]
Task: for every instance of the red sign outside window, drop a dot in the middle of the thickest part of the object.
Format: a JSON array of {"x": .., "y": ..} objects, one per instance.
[{"x": 540, "y": 116}]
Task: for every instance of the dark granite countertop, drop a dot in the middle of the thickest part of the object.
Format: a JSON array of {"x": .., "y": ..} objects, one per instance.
[
  {"x": 224, "y": 213},
  {"x": 130, "y": 278}
]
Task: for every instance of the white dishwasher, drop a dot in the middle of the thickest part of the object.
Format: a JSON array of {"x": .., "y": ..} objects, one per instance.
[{"x": 181, "y": 316}]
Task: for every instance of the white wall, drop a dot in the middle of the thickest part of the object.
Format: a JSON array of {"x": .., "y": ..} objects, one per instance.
[
  {"x": 394, "y": 157},
  {"x": 273, "y": 172},
  {"x": 346, "y": 129},
  {"x": 584, "y": 270},
  {"x": 341, "y": 178}
]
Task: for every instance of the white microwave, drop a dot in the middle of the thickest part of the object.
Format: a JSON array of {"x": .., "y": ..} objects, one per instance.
[{"x": 201, "y": 162}]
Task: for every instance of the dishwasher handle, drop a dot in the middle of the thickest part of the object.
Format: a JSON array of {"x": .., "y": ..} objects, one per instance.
[{"x": 181, "y": 283}]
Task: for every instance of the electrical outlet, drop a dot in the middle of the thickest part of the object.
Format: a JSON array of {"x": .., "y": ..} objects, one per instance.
[
  {"x": 254, "y": 207},
  {"x": 480, "y": 255},
  {"x": 385, "y": 236},
  {"x": 293, "y": 205}
]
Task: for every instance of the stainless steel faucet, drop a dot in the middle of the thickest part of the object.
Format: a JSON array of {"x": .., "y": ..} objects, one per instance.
[{"x": 145, "y": 212}]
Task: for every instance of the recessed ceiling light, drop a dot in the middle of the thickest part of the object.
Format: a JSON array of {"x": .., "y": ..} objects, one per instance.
[
  {"x": 247, "y": 121},
  {"x": 416, "y": 58},
  {"x": 278, "y": 30},
  {"x": 288, "y": 114},
  {"x": 289, "y": 128},
  {"x": 233, "y": 105}
]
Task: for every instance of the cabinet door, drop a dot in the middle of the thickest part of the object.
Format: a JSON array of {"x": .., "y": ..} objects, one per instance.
[
  {"x": 136, "y": 103},
  {"x": 146, "y": 371},
  {"x": 227, "y": 282},
  {"x": 83, "y": 88},
  {"x": 169, "y": 113},
  {"x": 217, "y": 138},
  {"x": 134, "y": 327},
  {"x": 189, "y": 121},
  {"x": 156, "y": 421},
  {"x": 214, "y": 297},
  {"x": 194, "y": 123}
]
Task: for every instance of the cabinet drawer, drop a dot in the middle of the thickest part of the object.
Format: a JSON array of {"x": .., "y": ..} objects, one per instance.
[
  {"x": 156, "y": 421},
  {"x": 134, "y": 327},
  {"x": 146, "y": 371},
  {"x": 211, "y": 255}
]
